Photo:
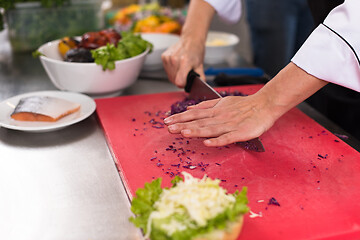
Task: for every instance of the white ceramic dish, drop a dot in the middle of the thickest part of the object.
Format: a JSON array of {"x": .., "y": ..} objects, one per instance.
[
  {"x": 160, "y": 41},
  {"x": 89, "y": 78},
  {"x": 87, "y": 107},
  {"x": 217, "y": 53}
]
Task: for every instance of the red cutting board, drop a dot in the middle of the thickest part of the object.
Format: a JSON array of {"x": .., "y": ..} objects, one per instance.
[{"x": 313, "y": 175}]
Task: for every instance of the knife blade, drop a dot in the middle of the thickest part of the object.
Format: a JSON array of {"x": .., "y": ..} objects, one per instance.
[{"x": 200, "y": 90}]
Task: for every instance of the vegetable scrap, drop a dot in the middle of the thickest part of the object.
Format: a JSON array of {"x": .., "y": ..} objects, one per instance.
[
  {"x": 323, "y": 132},
  {"x": 322, "y": 156},
  {"x": 255, "y": 215},
  {"x": 341, "y": 136},
  {"x": 273, "y": 201}
]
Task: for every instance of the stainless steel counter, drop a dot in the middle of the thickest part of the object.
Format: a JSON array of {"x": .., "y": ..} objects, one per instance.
[{"x": 63, "y": 184}]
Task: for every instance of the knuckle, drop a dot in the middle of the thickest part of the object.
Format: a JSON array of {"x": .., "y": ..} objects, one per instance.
[
  {"x": 164, "y": 56},
  {"x": 212, "y": 113},
  {"x": 183, "y": 60},
  {"x": 194, "y": 113},
  {"x": 229, "y": 126},
  {"x": 173, "y": 60}
]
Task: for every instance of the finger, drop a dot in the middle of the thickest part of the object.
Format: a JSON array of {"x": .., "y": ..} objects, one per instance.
[
  {"x": 205, "y": 104},
  {"x": 209, "y": 130},
  {"x": 183, "y": 71},
  {"x": 198, "y": 125},
  {"x": 189, "y": 115},
  {"x": 232, "y": 137},
  {"x": 170, "y": 74},
  {"x": 170, "y": 69},
  {"x": 222, "y": 140}
]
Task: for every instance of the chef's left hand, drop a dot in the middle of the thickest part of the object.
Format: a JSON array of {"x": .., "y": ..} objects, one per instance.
[{"x": 224, "y": 121}]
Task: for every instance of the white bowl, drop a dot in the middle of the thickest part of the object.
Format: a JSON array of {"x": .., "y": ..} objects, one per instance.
[
  {"x": 219, "y": 45},
  {"x": 160, "y": 41},
  {"x": 89, "y": 78}
]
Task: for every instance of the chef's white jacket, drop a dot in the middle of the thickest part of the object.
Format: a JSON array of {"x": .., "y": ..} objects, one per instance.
[{"x": 331, "y": 52}]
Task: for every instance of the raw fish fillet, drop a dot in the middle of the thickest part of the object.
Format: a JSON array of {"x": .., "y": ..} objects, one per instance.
[{"x": 43, "y": 108}]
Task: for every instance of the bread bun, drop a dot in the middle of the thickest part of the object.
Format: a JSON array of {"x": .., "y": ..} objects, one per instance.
[{"x": 231, "y": 232}]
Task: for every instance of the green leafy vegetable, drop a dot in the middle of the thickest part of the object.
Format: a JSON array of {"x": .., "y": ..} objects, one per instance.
[
  {"x": 143, "y": 206},
  {"x": 107, "y": 55},
  {"x": 129, "y": 46},
  {"x": 37, "y": 54},
  {"x": 176, "y": 180}
]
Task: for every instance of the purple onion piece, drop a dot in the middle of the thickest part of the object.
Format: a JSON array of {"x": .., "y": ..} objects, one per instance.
[{"x": 273, "y": 201}]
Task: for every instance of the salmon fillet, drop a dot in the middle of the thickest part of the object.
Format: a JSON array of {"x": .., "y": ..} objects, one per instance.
[{"x": 43, "y": 108}]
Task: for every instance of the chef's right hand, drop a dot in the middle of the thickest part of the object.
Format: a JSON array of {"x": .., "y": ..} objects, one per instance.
[{"x": 179, "y": 59}]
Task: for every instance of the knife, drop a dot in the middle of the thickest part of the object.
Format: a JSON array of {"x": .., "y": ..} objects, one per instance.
[{"x": 200, "y": 90}]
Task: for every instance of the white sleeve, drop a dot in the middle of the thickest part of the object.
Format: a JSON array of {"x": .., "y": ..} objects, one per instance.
[
  {"x": 331, "y": 52},
  {"x": 228, "y": 10}
]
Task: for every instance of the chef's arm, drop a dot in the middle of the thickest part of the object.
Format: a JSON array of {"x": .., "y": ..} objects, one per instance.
[
  {"x": 288, "y": 88},
  {"x": 198, "y": 19},
  {"x": 234, "y": 119},
  {"x": 189, "y": 52},
  {"x": 332, "y": 51}
]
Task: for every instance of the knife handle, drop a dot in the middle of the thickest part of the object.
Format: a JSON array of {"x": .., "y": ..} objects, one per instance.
[
  {"x": 190, "y": 79},
  {"x": 255, "y": 72}
]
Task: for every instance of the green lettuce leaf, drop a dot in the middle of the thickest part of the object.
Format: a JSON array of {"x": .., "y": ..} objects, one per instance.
[
  {"x": 176, "y": 180},
  {"x": 143, "y": 204},
  {"x": 130, "y": 45}
]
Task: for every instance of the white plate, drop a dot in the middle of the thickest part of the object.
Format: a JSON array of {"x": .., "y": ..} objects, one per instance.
[{"x": 88, "y": 106}]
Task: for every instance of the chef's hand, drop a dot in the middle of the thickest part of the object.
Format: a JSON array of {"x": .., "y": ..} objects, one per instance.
[
  {"x": 180, "y": 58},
  {"x": 236, "y": 119},
  {"x": 189, "y": 52},
  {"x": 224, "y": 121}
]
